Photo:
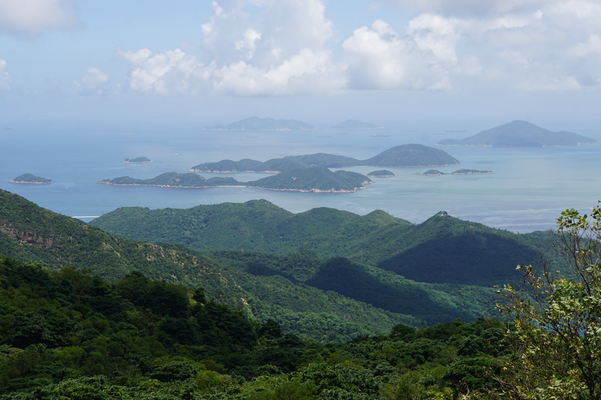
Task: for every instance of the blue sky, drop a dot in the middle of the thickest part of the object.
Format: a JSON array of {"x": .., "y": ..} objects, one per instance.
[{"x": 217, "y": 61}]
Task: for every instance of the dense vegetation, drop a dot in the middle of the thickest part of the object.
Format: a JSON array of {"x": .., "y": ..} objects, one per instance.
[
  {"x": 471, "y": 172},
  {"x": 408, "y": 155},
  {"x": 432, "y": 172},
  {"x": 309, "y": 179},
  {"x": 433, "y": 251},
  {"x": 519, "y": 134},
  {"x": 257, "y": 124},
  {"x": 382, "y": 173},
  {"x": 72, "y": 335},
  {"x": 29, "y": 178},
  {"x": 33, "y": 234}
]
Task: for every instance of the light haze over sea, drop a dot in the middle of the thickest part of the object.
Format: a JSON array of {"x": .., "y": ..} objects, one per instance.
[{"x": 529, "y": 189}]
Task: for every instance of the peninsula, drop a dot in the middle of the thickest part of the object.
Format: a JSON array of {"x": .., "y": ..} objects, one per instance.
[
  {"x": 31, "y": 179},
  {"x": 383, "y": 173},
  {"x": 354, "y": 124},
  {"x": 313, "y": 179},
  {"x": 262, "y": 124},
  {"x": 137, "y": 160},
  {"x": 519, "y": 134},
  {"x": 408, "y": 155}
]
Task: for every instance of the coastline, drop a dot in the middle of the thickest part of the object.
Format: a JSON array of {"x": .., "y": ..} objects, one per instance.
[
  {"x": 30, "y": 183},
  {"x": 234, "y": 186},
  {"x": 213, "y": 171}
]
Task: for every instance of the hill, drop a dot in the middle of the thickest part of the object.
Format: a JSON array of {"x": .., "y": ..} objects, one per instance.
[
  {"x": 519, "y": 134},
  {"x": 376, "y": 239},
  {"x": 258, "y": 124},
  {"x": 311, "y": 179},
  {"x": 409, "y": 155},
  {"x": 137, "y": 160},
  {"x": 33, "y": 234},
  {"x": 354, "y": 124},
  {"x": 382, "y": 173},
  {"x": 29, "y": 178}
]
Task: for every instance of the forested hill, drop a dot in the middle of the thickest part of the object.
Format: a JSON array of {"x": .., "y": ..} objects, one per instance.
[
  {"x": 371, "y": 303},
  {"x": 408, "y": 155},
  {"x": 442, "y": 249}
]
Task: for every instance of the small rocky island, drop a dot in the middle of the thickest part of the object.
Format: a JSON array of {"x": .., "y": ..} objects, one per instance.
[
  {"x": 383, "y": 173},
  {"x": 137, "y": 160},
  {"x": 31, "y": 179},
  {"x": 435, "y": 172},
  {"x": 314, "y": 179},
  {"x": 262, "y": 124}
]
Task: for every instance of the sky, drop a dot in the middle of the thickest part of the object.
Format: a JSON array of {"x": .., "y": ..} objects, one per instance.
[{"x": 313, "y": 60}]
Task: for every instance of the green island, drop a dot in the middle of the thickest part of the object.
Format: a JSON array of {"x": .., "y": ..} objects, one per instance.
[
  {"x": 85, "y": 314},
  {"x": 519, "y": 134},
  {"x": 408, "y": 155},
  {"x": 31, "y": 179},
  {"x": 471, "y": 172},
  {"x": 312, "y": 179},
  {"x": 432, "y": 172},
  {"x": 137, "y": 160},
  {"x": 382, "y": 173},
  {"x": 354, "y": 124},
  {"x": 262, "y": 124}
]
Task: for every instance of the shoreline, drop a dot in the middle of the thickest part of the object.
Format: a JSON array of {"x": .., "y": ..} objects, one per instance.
[
  {"x": 30, "y": 183},
  {"x": 234, "y": 186},
  {"x": 212, "y": 171}
]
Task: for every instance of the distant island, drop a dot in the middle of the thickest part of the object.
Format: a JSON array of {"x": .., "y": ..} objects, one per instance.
[
  {"x": 519, "y": 134},
  {"x": 137, "y": 160},
  {"x": 354, "y": 124},
  {"x": 408, "y": 155},
  {"x": 383, "y": 173},
  {"x": 471, "y": 172},
  {"x": 435, "y": 172},
  {"x": 314, "y": 179},
  {"x": 262, "y": 124},
  {"x": 31, "y": 179}
]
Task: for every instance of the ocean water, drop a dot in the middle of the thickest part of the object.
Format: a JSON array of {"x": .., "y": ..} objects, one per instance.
[{"x": 529, "y": 189}]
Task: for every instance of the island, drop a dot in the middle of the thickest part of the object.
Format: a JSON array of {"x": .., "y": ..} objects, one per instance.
[
  {"x": 314, "y": 179},
  {"x": 354, "y": 124},
  {"x": 137, "y": 160},
  {"x": 432, "y": 172},
  {"x": 435, "y": 172},
  {"x": 519, "y": 134},
  {"x": 383, "y": 173},
  {"x": 31, "y": 179},
  {"x": 262, "y": 124},
  {"x": 471, "y": 172},
  {"x": 408, "y": 155}
]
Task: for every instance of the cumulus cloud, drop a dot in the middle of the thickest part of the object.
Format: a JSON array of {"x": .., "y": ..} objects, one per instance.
[
  {"x": 4, "y": 76},
  {"x": 93, "y": 82},
  {"x": 280, "y": 50},
  {"x": 32, "y": 17},
  {"x": 469, "y": 7}
]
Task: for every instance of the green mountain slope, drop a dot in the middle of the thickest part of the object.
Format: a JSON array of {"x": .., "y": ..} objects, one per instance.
[
  {"x": 519, "y": 134},
  {"x": 442, "y": 249},
  {"x": 408, "y": 155},
  {"x": 313, "y": 179}
]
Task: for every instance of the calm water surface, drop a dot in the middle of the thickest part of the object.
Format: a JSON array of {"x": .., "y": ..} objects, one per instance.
[{"x": 529, "y": 189}]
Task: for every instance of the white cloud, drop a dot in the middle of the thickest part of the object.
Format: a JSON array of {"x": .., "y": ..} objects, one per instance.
[
  {"x": 32, "y": 17},
  {"x": 279, "y": 51},
  {"x": 469, "y": 7},
  {"x": 93, "y": 82},
  {"x": 5, "y": 79},
  {"x": 381, "y": 58}
]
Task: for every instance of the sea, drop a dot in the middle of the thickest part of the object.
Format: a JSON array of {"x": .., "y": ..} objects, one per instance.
[{"x": 529, "y": 189}]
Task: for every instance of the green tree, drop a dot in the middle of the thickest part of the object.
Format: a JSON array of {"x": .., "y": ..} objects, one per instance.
[{"x": 557, "y": 331}]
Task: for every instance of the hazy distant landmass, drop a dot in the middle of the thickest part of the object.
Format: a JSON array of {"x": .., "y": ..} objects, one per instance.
[
  {"x": 29, "y": 178},
  {"x": 354, "y": 124},
  {"x": 519, "y": 134},
  {"x": 383, "y": 173},
  {"x": 137, "y": 160},
  {"x": 262, "y": 124},
  {"x": 408, "y": 155},
  {"x": 312, "y": 179},
  {"x": 471, "y": 172}
]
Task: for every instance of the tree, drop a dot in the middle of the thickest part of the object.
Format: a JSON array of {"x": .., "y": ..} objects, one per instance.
[{"x": 557, "y": 330}]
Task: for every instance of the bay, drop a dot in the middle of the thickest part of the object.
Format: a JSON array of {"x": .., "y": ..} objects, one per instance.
[{"x": 529, "y": 189}]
